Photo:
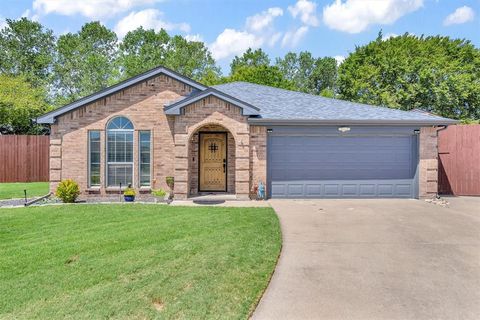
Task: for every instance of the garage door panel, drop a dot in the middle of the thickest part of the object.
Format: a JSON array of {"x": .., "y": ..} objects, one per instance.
[
  {"x": 343, "y": 189},
  {"x": 342, "y": 167}
]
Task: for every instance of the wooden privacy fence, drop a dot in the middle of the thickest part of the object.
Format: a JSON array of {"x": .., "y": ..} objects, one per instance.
[
  {"x": 459, "y": 160},
  {"x": 24, "y": 158}
]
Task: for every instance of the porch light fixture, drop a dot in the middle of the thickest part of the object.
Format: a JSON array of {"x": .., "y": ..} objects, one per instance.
[
  {"x": 269, "y": 130},
  {"x": 343, "y": 129},
  {"x": 416, "y": 131}
]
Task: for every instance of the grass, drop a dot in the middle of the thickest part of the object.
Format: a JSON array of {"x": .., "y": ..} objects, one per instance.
[
  {"x": 15, "y": 190},
  {"x": 135, "y": 261}
]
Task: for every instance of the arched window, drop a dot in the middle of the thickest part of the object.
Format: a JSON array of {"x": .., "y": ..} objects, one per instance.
[{"x": 119, "y": 152}]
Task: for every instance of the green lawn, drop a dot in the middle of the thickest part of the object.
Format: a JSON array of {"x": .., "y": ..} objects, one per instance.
[
  {"x": 15, "y": 190},
  {"x": 135, "y": 261}
]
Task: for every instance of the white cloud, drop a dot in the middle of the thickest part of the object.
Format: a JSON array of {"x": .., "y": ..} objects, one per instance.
[
  {"x": 292, "y": 38},
  {"x": 28, "y": 14},
  {"x": 354, "y": 16},
  {"x": 231, "y": 42},
  {"x": 258, "y": 31},
  {"x": 93, "y": 9},
  {"x": 148, "y": 19},
  {"x": 263, "y": 20},
  {"x": 339, "y": 59},
  {"x": 194, "y": 37},
  {"x": 306, "y": 10},
  {"x": 272, "y": 40},
  {"x": 461, "y": 15}
]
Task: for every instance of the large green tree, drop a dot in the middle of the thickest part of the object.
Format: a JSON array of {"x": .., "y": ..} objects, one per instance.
[
  {"x": 437, "y": 74},
  {"x": 250, "y": 58},
  {"x": 297, "y": 68},
  {"x": 27, "y": 49},
  {"x": 20, "y": 102},
  {"x": 254, "y": 66},
  {"x": 85, "y": 62},
  {"x": 266, "y": 75},
  {"x": 142, "y": 50},
  {"x": 309, "y": 74}
]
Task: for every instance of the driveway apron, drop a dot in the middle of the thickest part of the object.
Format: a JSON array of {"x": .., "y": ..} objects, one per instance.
[{"x": 376, "y": 259}]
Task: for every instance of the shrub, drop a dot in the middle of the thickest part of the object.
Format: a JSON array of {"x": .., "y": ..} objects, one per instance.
[
  {"x": 68, "y": 191},
  {"x": 170, "y": 182},
  {"x": 159, "y": 193}
]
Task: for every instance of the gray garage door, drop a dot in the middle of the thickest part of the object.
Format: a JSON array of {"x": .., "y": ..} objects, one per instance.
[{"x": 347, "y": 166}]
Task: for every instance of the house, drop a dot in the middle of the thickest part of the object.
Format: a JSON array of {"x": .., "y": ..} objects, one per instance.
[{"x": 228, "y": 138}]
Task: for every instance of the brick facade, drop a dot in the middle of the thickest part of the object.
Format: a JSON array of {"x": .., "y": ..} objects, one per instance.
[
  {"x": 428, "y": 163},
  {"x": 258, "y": 155},
  {"x": 175, "y": 140},
  {"x": 200, "y": 116},
  {"x": 143, "y": 104}
]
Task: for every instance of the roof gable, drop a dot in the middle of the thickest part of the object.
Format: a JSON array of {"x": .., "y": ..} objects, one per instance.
[
  {"x": 50, "y": 117},
  {"x": 176, "y": 107}
]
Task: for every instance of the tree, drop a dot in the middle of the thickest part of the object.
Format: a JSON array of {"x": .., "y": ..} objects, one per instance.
[
  {"x": 309, "y": 74},
  {"x": 250, "y": 58},
  {"x": 86, "y": 62},
  {"x": 142, "y": 50},
  {"x": 266, "y": 75},
  {"x": 27, "y": 49},
  {"x": 436, "y": 74},
  {"x": 20, "y": 102},
  {"x": 323, "y": 78},
  {"x": 190, "y": 58},
  {"x": 297, "y": 68}
]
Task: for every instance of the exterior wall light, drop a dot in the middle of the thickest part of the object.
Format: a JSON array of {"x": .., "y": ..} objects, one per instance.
[{"x": 343, "y": 129}]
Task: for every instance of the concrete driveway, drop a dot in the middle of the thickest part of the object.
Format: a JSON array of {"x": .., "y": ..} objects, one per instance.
[{"x": 376, "y": 259}]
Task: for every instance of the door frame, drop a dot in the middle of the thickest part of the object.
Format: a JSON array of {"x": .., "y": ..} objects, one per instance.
[{"x": 200, "y": 159}]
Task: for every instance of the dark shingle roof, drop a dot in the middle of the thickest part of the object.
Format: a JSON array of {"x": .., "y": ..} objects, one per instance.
[{"x": 280, "y": 104}]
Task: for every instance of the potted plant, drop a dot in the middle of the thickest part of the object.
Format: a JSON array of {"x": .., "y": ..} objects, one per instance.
[
  {"x": 160, "y": 194},
  {"x": 129, "y": 194},
  {"x": 171, "y": 184}
]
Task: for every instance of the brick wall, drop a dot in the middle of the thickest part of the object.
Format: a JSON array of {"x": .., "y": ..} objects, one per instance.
[
  {"x": 428, "y": 165},
  {"x": 258, "y": 155},
  {"x": 201, "y": 114},
  {"x": 143, "y": 104}
]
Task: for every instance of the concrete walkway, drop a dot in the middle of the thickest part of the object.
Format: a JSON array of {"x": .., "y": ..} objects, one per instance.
[{"x": 376, "y": 259}]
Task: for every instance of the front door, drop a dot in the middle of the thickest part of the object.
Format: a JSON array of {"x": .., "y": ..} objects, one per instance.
[{"x": 213, "y": 162}]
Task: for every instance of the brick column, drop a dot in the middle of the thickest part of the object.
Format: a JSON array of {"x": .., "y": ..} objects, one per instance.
[
  {"x": 242, "y": 165},
  {"x": 181, "y": 166},
  {"x": 55, "y": 163},
  {"x": 428, "y": 166},
  {"x": 258, "y": 155}
]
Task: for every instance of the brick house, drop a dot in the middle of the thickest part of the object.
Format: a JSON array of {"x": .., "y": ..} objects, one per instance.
[{"x": 228, "y": 138}]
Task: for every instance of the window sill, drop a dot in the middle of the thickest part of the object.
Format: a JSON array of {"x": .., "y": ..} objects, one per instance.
[
  {"x": 114, "y": 189},
  {"x": 145, "y": 189},
  {"x": 93, "y": 190}
]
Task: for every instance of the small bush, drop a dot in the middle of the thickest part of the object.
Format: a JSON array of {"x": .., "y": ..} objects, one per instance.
[
  {"x": 68, "y": 191},
  {"x": 170, "y": 182},
  {"x": 159, "y": 193}
]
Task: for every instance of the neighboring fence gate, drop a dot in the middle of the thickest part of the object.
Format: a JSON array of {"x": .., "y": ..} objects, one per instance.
[
  {"x": 459, "y": 160},
  {"x": 24, "y": 158}
]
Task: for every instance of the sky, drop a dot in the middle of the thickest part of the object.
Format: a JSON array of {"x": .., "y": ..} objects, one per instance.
[{"x": 323, "y": 27}]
